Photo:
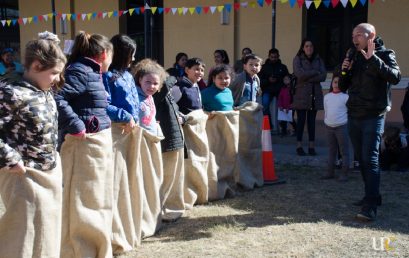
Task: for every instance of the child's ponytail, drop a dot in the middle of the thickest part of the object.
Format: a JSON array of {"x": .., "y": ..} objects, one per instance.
[{"x": 87, "y": 45}]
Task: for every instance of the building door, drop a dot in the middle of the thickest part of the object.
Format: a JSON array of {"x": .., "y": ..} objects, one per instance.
[
  {"x": 9, "y": 35},
  {"x": 331, "y": 30},
  {"x": 146, "y": 29}
]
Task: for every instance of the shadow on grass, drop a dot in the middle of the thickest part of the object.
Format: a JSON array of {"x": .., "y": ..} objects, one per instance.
[{"x": 303, "y": 199}]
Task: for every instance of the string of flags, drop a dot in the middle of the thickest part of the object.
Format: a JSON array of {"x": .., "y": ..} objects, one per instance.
[{"x": 180, "y": 10}]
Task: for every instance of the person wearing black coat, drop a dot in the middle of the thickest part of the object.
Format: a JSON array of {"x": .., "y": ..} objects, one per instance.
[
  {"x": 368, "y": 75},
  {"x": 168, "y": 116},
  {"x": 271, "y": 77}
]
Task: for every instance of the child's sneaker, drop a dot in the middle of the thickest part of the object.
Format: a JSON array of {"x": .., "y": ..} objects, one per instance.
[{"x": 338, "y": 164}]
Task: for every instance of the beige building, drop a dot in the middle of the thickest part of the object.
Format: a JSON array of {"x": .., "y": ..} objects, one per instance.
[{"x": 200, "y": 35}]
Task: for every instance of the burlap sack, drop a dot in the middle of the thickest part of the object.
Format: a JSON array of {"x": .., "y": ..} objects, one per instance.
[
  {"x": 173, "y": 185},
  {"x": 128, "y": 189},
  {"x": 249, "y": 166},
  {"x": 152, "y": 172},
  {"x": 87, "y": 195},
  {"x": 222, "y": 130},
  {"x": 196, "y": 163},
  {"x": 31, "y": 225}
]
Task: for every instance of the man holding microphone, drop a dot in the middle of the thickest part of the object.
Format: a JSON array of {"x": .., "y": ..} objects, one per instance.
[{"x": 368, "y": 75}]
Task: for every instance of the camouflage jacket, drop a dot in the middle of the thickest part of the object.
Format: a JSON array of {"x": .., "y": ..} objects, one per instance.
[{"x": 28, "y": 126}]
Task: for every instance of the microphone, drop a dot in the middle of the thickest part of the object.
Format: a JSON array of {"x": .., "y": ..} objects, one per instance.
[{"x": 350, "y": 55}]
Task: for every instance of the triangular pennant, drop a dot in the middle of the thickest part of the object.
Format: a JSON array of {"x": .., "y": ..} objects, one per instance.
[
  {"x": 20, "y": 21},
  {"x": 126, "y": 11},
  {"x": 317, "y": 3},
  {"x": 185, "y": 10},
  {"x": 30, "y": 19},
  {"x": 285, "y": 1},
  {"x": 94, "y": 15},
  {"x": 191, "y": 10},
  {"x": 344, "y": 3},
  {"x": 326, "y": 3},
  {"x": 353, "y": 2},
  {"x": 8, "y": 22},
  {"x": 244, "y": 4},
  {"x": 300, "y": 3},
  {"x": 334, "y": 3},
  {"x": 308, "y": 4},
  {"x": 58, "y": 16},
  {"x": 174, "y": 10},
  {"x": 120, "y": 13},
  {"x": 64, "y": 16},
  {"x": 212, "y": 9},
  {"x": 142, "y": 9},
  {"x": 40, "y": 18},
  {"x": 50, "y": 15},
  {"x": 79, "y": 16},
  {"x": 292, "y": 3},
  {"x": 110, "y": 14},
  {"x": 14, "y": 22},
  {"x": 45, "y": 16},
  {"x": 363, "y": 2},
  {"x": 4, "y": 22},
  {"x": 89, "y": 15},
  {"x": 167, "y": 10},
  {"x": 69, "y": 17},
  {"x": 131, "y": 11},
  {"x": 253, "y": 4},
  {"x": 372, "y": 1},
  {"x": 236, "y": 6},
  {"x": 154, "y": 9},
  {"x": 73, "y": 16},
  {"x": 160, "y": 10},
  {"x": 147, "y": 7},
  {"x": 180, "y": 10},
  {"x": 115, "y": 14},
  {"x": 268, "y": 2},
  {"x": 260, "y": 2},
  {"x": 138, "y": 10},
  {"x": 227, "y": 7},
  {"x": 104, "y": 14},
  {"x": 220, "y": 8},
  {"x": 83, "y": 16},
  {"x": 206, "y": 9},
  {"x": 198, "y": 9},
  {"x": 25, "y": 20},
  {"x": 35, "y": 19}
]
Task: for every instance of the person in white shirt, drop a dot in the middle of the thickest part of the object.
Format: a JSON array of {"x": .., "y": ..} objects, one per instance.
[{"x": 336, "y": 119}]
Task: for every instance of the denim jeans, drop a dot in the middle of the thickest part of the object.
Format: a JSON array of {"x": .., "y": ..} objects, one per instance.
[
  {"x": 365, "y": 135},
  {"x": 268, "y": 99}
]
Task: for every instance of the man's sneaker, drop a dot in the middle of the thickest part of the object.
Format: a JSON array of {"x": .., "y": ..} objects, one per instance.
[
  {"x": 357, "y": 167},
  {"x": 367, "y": 214}
]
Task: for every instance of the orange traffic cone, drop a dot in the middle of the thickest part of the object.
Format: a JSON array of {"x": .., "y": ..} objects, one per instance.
[{"x": 269, "y": 174}]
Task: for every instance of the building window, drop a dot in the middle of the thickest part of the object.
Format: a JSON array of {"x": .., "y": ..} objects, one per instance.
[
  {"x": 9, "y": 35},
  {"x": 331, "y": 30},
  {"x": 149, "y": 39}
]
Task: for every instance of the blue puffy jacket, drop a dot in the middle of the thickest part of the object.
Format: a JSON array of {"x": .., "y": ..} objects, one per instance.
[
  {"x": 82, "y": 102},
  {"x": 123, "y": 100}
]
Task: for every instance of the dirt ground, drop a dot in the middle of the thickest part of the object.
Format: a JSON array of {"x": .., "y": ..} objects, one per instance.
[{"x": 306, "y": 217}]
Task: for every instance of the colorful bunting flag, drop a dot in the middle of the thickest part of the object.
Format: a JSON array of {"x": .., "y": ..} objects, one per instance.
[{"x": 179, "y": 10}]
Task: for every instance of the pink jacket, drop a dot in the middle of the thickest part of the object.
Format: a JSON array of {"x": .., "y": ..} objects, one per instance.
[{"x": 284, "y": 98}]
